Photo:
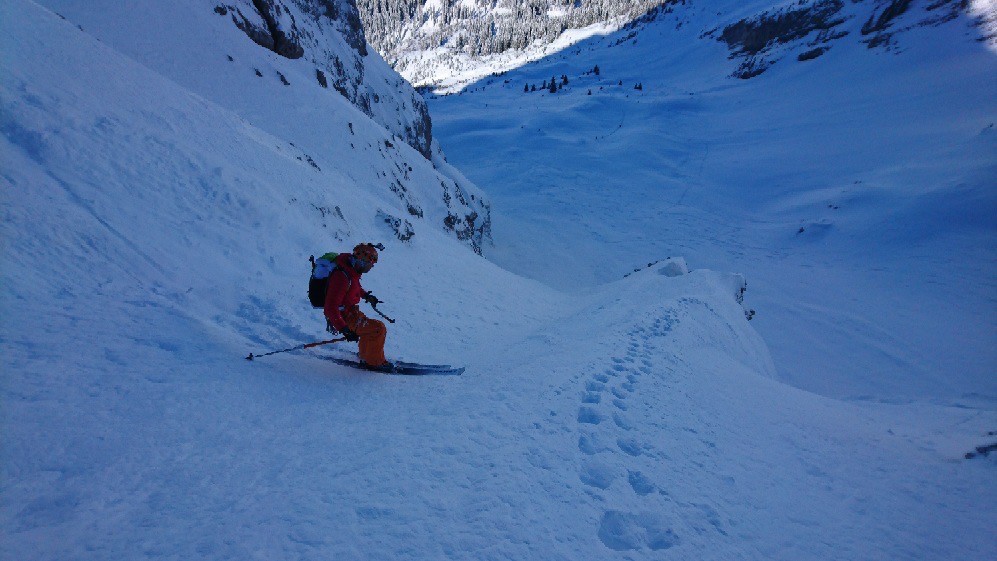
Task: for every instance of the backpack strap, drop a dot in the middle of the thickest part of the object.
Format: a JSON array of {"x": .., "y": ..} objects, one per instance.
[{"x": 347, "y": 275}]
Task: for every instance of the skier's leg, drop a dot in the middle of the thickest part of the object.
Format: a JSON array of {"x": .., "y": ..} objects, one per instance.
[{"x": 372, "y": 335}]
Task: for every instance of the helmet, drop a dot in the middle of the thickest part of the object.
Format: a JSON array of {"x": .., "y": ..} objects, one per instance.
[{"x": 366, "y": 252}]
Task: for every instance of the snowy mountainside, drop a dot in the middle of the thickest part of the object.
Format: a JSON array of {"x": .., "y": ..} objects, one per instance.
[
  {"x": 329, "y": 34},
  {"x": 854, "y": 189},
  {"x": 155, "y": 232},
  {"x": 216, "y": 59},
  {"x": 151, "y": 238},
  {"x": 447, "y": 46},
  {"x": 810, "y": 29},
  {"x": 429, "y": 41}
]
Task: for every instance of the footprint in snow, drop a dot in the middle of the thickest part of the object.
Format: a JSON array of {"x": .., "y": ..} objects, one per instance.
[
  {"x": 589, "y": 416},
  {"x": 630, "y": 446},
  {"x": 592, "y": 397},
  {"x": 622, "y": 531},
  {"x": 597, "y": 475},
  {"x": 590, "y": 445},
  {"x": 622, "y": 421},
  {"x": 595, "y": 386},
  {"x": 640, "y": 483}
]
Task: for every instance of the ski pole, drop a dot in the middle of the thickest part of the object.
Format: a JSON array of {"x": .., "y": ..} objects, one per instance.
[
  {"x": 382, "y": 315},
  {"x": 373, "y": 301},
  {"x": 298, "y": 348}
]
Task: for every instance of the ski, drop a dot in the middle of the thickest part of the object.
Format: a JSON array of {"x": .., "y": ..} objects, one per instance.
[
  {"x": 405, "y": 368},
  {"x": 424, "y": 366}
]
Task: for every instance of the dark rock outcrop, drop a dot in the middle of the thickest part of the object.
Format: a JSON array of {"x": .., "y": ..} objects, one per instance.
[
  {"x": 278, "y": 39},
  {"x": 887, "y": 18},
  {"x": 399, "y": 226},
  {"x": 882, "y": 17},
  {"x": 470, "y": 227},
  {"x": 755, "y": 39},
  {"x": 758, "y": 40}
]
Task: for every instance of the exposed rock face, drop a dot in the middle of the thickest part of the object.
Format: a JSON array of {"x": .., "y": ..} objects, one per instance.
[
  {"x": 270, "y": 35},
  {"x": 813, "y": 27},
  {"x": 885, "y": 20},
  {"x": 882, "y": 17},
  {"x": 330, "y": 34},
  {"x": 754, "y": 39},
  {"x": 365, "y": 147},
  {"x": 753, "y": 36},
  {"x": 473, "y": 228}
]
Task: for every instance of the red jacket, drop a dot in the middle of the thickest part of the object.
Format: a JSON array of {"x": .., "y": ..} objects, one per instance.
[{"x": 344, "y": 291}]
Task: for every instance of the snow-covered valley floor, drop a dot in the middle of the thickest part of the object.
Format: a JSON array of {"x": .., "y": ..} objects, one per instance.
[
  {"x": 855, "y": 191},
  {"x": 153, "y": 237}
]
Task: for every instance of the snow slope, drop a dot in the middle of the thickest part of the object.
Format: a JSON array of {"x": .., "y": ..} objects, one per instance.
[
  {"x": 855, "y": 190},
  {"x": 153, "y": 236},
  {"x": 191, "y": 44}
]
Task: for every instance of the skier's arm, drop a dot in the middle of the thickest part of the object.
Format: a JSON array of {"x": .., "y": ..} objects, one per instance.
[{"x": 339, "y": 285}]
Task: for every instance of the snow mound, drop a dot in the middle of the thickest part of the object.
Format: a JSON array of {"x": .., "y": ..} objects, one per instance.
[{"x": 675, "y": 267}]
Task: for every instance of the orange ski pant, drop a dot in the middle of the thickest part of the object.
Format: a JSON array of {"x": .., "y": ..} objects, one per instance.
[{"x": 372, "y": 335}]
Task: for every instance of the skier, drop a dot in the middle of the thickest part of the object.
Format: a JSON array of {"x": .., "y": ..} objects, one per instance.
[{"x": 342, "y": 307}]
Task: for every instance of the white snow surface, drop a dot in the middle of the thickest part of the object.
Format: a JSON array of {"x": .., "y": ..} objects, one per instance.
[
  {"x": 855, "y": 191},
  {"x": 153, "y": 236}
]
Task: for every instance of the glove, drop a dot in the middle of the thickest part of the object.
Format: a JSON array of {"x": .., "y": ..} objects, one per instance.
[
  {"x": 350, "y": 335},
  {"x": 371, "y": 299}
]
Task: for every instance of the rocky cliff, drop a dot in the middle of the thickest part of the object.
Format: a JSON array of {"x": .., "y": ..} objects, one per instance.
[
  {"x": 301, "y": 75},
  {"x": 311, "y": 29}
]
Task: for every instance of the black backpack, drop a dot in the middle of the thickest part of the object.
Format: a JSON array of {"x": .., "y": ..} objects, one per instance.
[{"x": 318, "y": 284}]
